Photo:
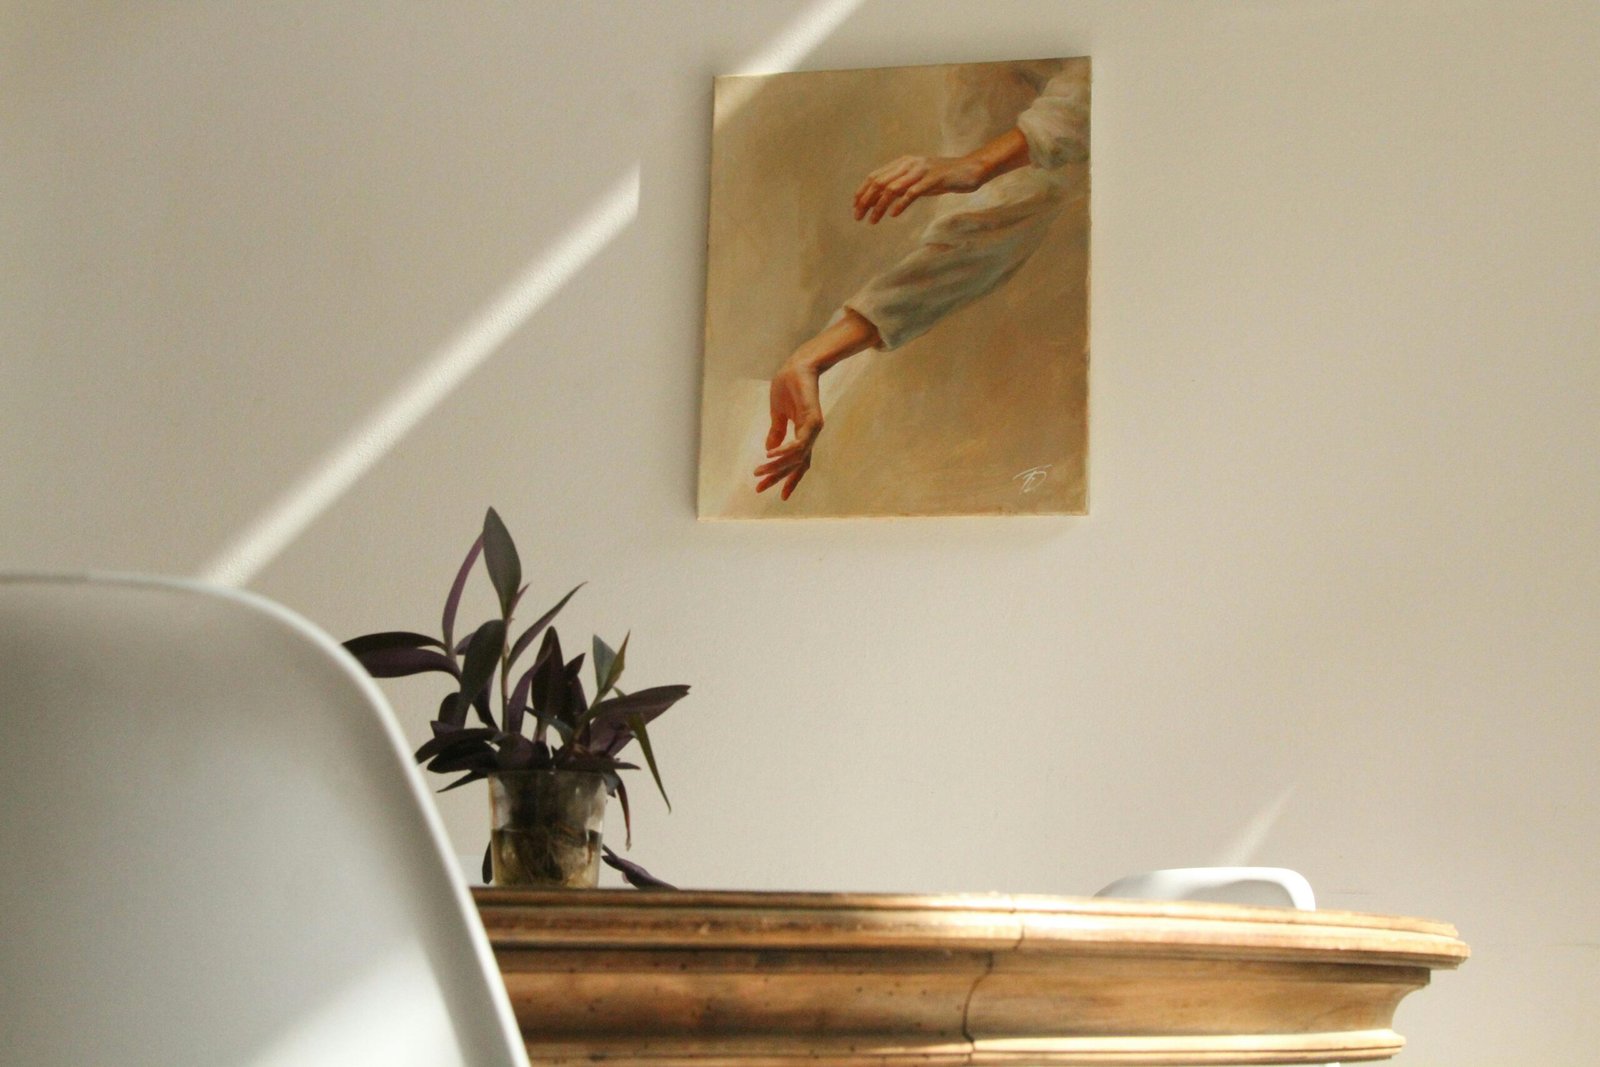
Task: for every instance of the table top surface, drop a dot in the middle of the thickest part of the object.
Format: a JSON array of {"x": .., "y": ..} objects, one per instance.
[
  {"x": 755, "y": 979},
  {"x": 975, "y": 921}
]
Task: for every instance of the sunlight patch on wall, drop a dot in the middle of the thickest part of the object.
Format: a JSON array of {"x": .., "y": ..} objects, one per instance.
[
  {"x": 438, "y": 376},
  {"x": 1246, "y": 844},
  {"x": 786, "y": 51},
  {"x": 275, "y": 529}
]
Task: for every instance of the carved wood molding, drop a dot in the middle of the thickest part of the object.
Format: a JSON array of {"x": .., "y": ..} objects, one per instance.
[{"x": 774, "y": 979}]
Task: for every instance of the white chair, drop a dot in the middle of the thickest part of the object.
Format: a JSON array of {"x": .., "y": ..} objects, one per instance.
[
  {"x": 214, "y": 848},
  {"x": 1263, "y": 886}
]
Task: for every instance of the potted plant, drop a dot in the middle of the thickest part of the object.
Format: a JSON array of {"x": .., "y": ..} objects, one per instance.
[{"x": 550, "y": 754}]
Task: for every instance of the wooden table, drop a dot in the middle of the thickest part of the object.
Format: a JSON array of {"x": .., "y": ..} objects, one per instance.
[{"x": 777, "y": 979}]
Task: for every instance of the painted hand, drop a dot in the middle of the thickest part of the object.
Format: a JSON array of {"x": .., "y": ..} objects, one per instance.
[
  {"x": 795, "y": 402},
  {"x": 893, "y": 187}
]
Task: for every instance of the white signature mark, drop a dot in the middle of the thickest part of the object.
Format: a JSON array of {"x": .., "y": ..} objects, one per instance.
[{"x": 1033, "y": 477}]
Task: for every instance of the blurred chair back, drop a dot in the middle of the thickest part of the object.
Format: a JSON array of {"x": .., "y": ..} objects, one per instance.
[{"x": 215, "y": 850}]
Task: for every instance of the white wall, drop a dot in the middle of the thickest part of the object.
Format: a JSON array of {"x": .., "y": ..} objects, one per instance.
[{"x": 1337, "y": 603}]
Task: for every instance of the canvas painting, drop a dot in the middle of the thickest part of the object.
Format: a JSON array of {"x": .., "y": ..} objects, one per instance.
[{"x": 897, "y": 293}]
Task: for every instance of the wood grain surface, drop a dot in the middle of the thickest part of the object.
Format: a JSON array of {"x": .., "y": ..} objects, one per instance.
[{"x": 723, "y": 978}]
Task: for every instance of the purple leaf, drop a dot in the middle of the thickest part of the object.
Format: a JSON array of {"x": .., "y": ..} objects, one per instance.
[
  {"x": 549, "y": 679},
  {"x": 620, "y": 791},
  {"x": 500, "y": 557},
  {"x": 516, "y": 752},
  {"x": 453, "y": 601},
  {"x": 563, "y": 730},
  {"x": 404, "y": 662},
  {"x": 518, "y": 703},
  {"x": 597, "y": 764},
  {"x": 475, "y": 776},
  {"x": 631, "y": 872},
  {"x": 648, "y": 702},
  {"x": 359, "y": 646},
  {"x": 480, "y": 704},
  {"x": 608, "y": 726},
  {"x": 607, "y": 739},
  {"x": 451, "y": 714},
  {"x": 531, "y": 633},
  {"x": 440, "y": 743},
  {"x": 478, "y": 668},
  {"x": 474, "y": 756},
  {"x": 577, "y": 702}
]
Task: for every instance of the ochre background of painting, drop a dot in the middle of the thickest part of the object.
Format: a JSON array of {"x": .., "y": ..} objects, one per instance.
[{"x": 944, "y": 425}]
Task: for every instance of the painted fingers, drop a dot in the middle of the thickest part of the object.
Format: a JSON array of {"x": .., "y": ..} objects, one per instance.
[
  {"x": 893, "y": 187},
  {"x": 795, "y": 402},
  {"x": 788, "y": 463},
  {"x": 788, "y": 466}
]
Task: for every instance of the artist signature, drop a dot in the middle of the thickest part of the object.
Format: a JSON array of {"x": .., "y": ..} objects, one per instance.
[{"x": 1033, "y": 477}]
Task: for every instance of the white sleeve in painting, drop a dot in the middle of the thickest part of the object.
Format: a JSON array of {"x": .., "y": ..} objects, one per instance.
[
  {"x": 1057, "y": 124},
  {"x": 977, "y": 241},
  {"x": 963, "y": 255}
]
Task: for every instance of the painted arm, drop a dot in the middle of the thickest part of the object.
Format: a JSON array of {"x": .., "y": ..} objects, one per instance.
[
  {"x": 896, "y": 185},
  {"x": 796, "y": 399},
  {"x": 795, "y": 394}
]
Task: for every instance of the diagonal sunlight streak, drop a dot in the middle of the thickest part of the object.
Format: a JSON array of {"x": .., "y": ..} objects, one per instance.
[
  {"x": 299, "y": 506},
  {"x": 784, "y": 53},
  {"x": 798, "y": 40},
  {"x": 457, "y": 358},
  {"x": 1246, "y": 844}
]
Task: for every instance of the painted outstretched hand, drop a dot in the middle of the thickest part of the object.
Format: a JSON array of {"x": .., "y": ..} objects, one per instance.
[
  {"x": 898, "y": 184},
  {"x": 796, "y": 400},
  {"x": 795, "y": 396}
]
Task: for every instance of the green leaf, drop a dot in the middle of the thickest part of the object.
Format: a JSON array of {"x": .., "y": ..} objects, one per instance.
[
  {"x": 500, "y": 556},
  {"x": 603, "y": 656},
  {"x": 483, "y": 655},
  {"x": 608, "y": 665},
  {"x": 636, "y": 724}
]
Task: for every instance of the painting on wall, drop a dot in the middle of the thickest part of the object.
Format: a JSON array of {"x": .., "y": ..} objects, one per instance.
[{"x": 897, "y": 293}]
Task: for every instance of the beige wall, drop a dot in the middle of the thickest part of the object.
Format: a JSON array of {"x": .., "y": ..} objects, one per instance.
[{"x": 1337, "y": 604}]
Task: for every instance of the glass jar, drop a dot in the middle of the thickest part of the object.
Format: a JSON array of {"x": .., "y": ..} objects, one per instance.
[{"x": 545, "y": 828}]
